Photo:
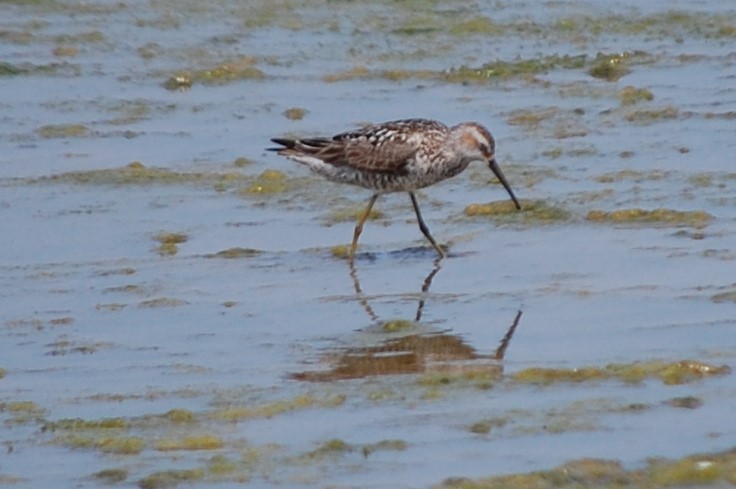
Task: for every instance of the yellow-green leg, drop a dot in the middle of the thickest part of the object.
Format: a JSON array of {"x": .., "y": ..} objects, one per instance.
[{"x": 359, "y": 227}]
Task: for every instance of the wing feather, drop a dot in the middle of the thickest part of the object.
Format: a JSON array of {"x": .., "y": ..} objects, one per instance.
[
  {"x": 362, "y": 155},
  {"x": 379, "y": 148}
]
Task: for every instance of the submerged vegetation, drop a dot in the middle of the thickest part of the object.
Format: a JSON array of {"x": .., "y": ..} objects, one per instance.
[
  {"x": 701, "y": 470},
  {"x": 351, "y": 213},
  {"x": 169, "y": 241},
  {"x": 136, "y": 173},
  {"x": 268, "y": 182},
  {"x": 28, "y": 69},
  {"x": 630, "y": 95},
  {"x": 170, "y": 478},
  {"x": 188, "y": 443},
  {"x": 728, "y": 296},
  {"x": 111, "y": 476},
  {"x": 645, "y": 116},
  {"x": 63, "y": 131},
  {"x": 238, "y": 69},
  {"x": 669, "y": 373},
  {"x": 664, "y": 217},
  {"x": 182, "y": 430},
  {"x": 495, "y": 70},
  {"x": 609, "y": 67},
  {"x": 507, "y": 69},
  {"x": 532, "y": 212},
  {"x": 234, "y": 253}
]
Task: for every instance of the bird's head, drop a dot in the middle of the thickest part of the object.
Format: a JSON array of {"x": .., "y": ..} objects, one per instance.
[{"x": 477, "y": 143}]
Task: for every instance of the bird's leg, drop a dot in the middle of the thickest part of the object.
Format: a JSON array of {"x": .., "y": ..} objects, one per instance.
[
  {"x": 359, "y": 227},
  {"x": 423, "y": 227}
]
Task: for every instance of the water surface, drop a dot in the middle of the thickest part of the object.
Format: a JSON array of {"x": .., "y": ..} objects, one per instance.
[{"x": 172, "y": 313}]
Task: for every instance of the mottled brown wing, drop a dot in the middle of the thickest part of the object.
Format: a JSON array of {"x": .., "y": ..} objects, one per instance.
[{"x": 363, "y": 155}]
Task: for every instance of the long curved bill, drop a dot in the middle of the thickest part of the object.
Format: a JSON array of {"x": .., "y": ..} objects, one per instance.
[{"x": 501, "y": 178}]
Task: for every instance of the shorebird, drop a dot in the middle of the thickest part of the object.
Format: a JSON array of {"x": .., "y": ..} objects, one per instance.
[{"x": 396, "y": 156}]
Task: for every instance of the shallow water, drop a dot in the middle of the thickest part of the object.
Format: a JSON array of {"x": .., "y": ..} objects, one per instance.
[{"x": 268, "y": 358}]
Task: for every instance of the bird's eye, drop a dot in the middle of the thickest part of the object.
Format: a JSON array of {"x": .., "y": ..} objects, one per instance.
[{"x": 484, "y": 149}]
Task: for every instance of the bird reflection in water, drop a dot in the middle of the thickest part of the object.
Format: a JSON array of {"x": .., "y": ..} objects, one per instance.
[
  {"x": 422, "y": 297},
  {"x": 410, "y": 349}
]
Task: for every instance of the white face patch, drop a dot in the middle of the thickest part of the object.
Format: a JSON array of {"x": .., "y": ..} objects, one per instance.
[{"x": 481, "y": 139}]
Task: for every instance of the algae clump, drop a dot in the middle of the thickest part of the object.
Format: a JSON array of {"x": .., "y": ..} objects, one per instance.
[
  {"x": 180, "y": 416},
  {"x": 675, "y": 373},
  {"x": 480, "y": 25},
  {"x": 169, "y": 478},
  {"x": 242, "y": 68},
  {"x": 52, "y": 131},
  {"x": 630, "y": 95},
  {"x": 351, "y": 213},
  {"x": 268, "y": 182},
  {"x": 234, "y": 253},
  {"x": 355, "y": 73},
  {"x": 609, "y": 67},
  {"x": 205, "y": 442},
  {"x": 162, "y": 302},
  {"x": 9, "y": 69},
  {"x": 481, "y": 377},
  {"x": 237, "y": 413},
  {"x": 111, "y": 476},
  {"x": 687, "y": 472},
  {"x": 131, "y": 445},
  {"x": 548, "y": 376},
  {"x": 340, "y": 251},
  {"x": 169, "y": 241},
  {"x": 392, "y": 445},
  {"x": 530, "y": 118},
  {"x": 724, "y": 297},
  {"x": 78, "y": 424},
  {"x": 502, "y": 70},
  {"x": 491, "y": 71},
  {"x": 22, "y": 411},
  {"x": 220, "y": 465},
  {"x": 242, "y": 161},
  {"x": 665, "y": 217},
  {"x": 180, "y": 82},
  {"x": 635, "y": 175},
  {"x": 398, "y": 325},
  {"x": 532, "y": 211},
  {"x": 481, "y": 427},
  {"x": 646, "y": 116},
  {"x": 329, "y": 448},
  {"x": 295, "y": 113},
  {"x": 136, "y": 173},
  {"x": 703, "y": 470}
]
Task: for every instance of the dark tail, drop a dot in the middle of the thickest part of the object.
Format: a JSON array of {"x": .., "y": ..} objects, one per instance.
[
  {"x": 305, "y": 144},
  {"x": 285, "y": 144}
]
